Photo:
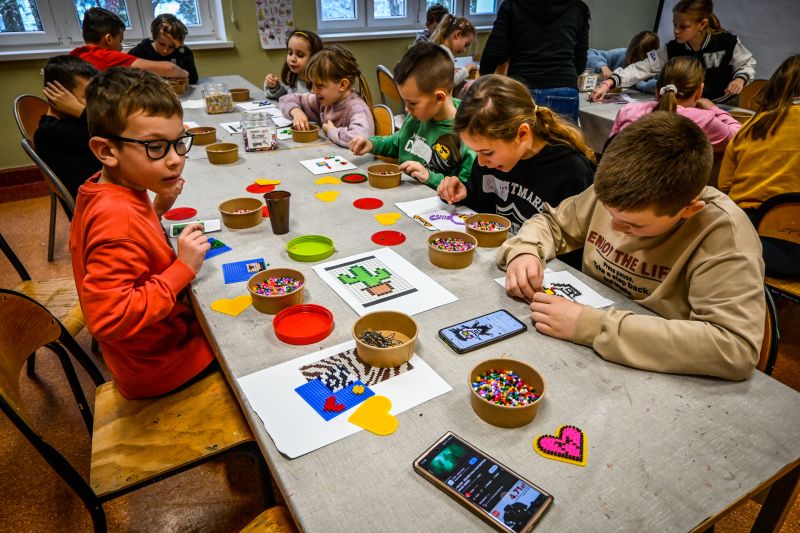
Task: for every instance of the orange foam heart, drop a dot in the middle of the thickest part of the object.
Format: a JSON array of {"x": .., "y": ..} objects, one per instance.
[
  {"x": 268, "y": 182},
  {"x": 327, "y": 180},
  {"x": 327, "y": 196},
  {"x": 232, "y": 306},
  {"x": 373, "y": 415},
  {"x": 387, "y": 219}
]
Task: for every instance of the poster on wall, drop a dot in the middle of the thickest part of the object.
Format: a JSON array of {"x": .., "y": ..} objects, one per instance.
[{"x": 275, "y": 22}]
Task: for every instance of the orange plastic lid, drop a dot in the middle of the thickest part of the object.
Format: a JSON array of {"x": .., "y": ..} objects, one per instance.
[{"x": 303, "y": 324}]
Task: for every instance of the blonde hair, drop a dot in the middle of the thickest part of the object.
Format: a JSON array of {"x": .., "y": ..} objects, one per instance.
[
  {"x": 684, "y": 74},
  {"x": 336, "y": 63},
  {"x": 774, "y": 100},
  {"x": 697, "y": 10},
  {"x": 496, "y": 106},
  {"x": 449, "y": 25}
]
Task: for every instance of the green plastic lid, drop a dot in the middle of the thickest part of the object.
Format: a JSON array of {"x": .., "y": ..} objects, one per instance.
[{"x": 310, "y": 248}]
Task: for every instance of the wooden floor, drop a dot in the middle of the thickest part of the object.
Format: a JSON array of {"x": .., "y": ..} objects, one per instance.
[{"x": 221, "y": 496}]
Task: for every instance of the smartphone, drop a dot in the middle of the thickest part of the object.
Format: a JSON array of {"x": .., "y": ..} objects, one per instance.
[
  {"x": 481, "y": 331},
  {"x": 497, "y": 494}
]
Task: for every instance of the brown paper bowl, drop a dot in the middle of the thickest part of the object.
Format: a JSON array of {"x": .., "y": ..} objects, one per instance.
[
  {"x": 177, "y": 87},
  {"x": 384, "y": 181},
  {"x": 252, "y": 217},
  {"x": 203, "y": 135},
  {"x": 240, "y": 95},
  {"x": 306, "y": 136},
  {"x": 222, "y": 153},
  {"x": 445, "y": 259},
  {"x": 488, "y": 239},
  {"x": 272, "y": 305},
  {"x": 501, "y": 415},
  {"x": 386, "y": 322}
]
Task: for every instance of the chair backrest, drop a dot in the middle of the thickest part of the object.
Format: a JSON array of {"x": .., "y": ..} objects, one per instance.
[
  {"x": 384, "y": 121},
  {"x": 13, "y": 259},
  {"x": 747, "y": 98},
  {"x": 769, "y": 346},
  {"x": 55, "y": 184},
  {"x": 28, "y": 109},
  {"x": 388, "y": 87},
  {"x": 779, "y": 217}
]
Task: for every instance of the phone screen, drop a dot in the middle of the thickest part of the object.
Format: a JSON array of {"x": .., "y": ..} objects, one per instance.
[
  {"x": 476, "y": 332},
  {"x": 502, "y": 495}
]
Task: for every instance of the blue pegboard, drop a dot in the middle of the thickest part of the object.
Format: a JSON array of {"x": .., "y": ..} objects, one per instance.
[
  {"x": 217, "y": 247},
  {"x": 315, "y": 393},
  {"x": 242, "y": 270}
]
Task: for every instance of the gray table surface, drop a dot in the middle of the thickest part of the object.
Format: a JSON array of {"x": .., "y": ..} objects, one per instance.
[
  {"x": 665, "y": 451},
  {"x": 597, "y": 118}
]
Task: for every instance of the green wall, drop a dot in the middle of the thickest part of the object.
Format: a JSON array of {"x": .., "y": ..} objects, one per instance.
[{"x": 611, "y": 27}]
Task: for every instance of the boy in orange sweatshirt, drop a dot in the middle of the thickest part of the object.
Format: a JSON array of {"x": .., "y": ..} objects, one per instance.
[{"x": 129, "y": 279}]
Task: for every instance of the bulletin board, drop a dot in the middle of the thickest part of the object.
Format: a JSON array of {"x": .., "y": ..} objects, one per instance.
[{"x": 275, "y": 19}]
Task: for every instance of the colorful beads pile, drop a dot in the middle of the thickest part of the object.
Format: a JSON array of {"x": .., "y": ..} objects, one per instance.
[
  {"x": 385, "y": 173},
  {"x": 504, "y": 387},
  {"x": 451, "y": 244},
  {"x": 219, "y": 103},
  {"x": 486, "y": 225},
  {"x": 241, "y": 211},
  {"x": 277, "y": 286}
]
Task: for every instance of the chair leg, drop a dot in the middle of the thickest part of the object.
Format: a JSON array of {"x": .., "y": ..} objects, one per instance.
[
  {"x": 83, "y": 358},
  {"x": 98, "y": 517},
  {"x": 31, "y": 365},
  {"x": 95, "y": 346},
  {"x": 74, "y": 384},
  {"x": 51, "y": 239},
  {"x": 264, "y": 475}
]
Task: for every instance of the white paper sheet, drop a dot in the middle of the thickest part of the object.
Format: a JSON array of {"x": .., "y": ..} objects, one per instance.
[
  {"x": 297, "y": 429},
  {"x": 193, "y": 104},
  {"x": 565, "y": 284},
  {"x": 256, "y": 105},
  {"x": 409, "y": 290},
  {"x": 284, "y": 133},
  {"x": 232, "y": 127},
  {"x": 189, "y": 124},
  {"x": 434, "y": 214},
  {"x": 326, "y": 165}
]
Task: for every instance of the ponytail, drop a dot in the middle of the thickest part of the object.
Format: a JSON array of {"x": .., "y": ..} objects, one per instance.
[
  {"x": 679, "y": 78},
  {"x": 553, "y": 129},
  {"x": 449, "y": 25},
  {"x": 363, "y": 89}
]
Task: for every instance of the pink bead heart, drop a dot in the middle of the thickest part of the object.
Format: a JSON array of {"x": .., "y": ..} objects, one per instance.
[{"x": 568, "y": 445}]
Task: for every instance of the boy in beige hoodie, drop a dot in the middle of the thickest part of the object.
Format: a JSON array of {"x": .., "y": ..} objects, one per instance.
[{"x": 653, "y": 231}]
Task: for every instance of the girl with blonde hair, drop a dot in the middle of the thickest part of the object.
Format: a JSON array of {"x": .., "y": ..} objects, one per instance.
[{"x": 454, "y": 35}]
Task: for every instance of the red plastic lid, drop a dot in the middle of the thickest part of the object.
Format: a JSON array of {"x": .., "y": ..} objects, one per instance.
[
  {"x": 368, "y": 203},
  {"x": 303, "y": 324},
  {"x": 180, "y": 213},
  {"x": 388, "y": 238},
  {"x": 260, "y": 189},
  {"x": 354, "y": 177}
]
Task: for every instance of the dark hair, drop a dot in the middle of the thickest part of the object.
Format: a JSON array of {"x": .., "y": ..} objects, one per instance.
[
  {"x": 98, "y": 22},
  {"x": 117, "y": 93},
  {"x": 449, "y": 25},
  {"x": 429, "y": 65},
  {"x": 336, "y": 63},
  {"x": 168, "y": 25},
  {"x": 774, "y": 100},
  {"x": 314, "y": 42},
  {"x": 642, "y": 42},
  {"x": 686, "y": 74},
  {"x": 660, "y": 162},
  {"x": 64, "y": 69},
  {"x": 435, "y": 13}
]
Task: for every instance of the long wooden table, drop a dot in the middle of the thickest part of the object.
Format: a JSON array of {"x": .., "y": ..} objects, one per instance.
[{"x": 666, "y": 452}]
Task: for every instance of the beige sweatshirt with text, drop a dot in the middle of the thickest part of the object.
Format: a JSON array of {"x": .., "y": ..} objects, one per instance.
[{"x": 705, "y": 278}]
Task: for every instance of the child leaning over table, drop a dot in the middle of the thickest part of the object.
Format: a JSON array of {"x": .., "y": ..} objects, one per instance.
[
  {"x": 426, "y": 146},
  {"x": 652, "y": 230},
  {"x": 128, "y": 278}
]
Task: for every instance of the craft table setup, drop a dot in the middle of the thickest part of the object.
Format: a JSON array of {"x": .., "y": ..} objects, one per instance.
[{"x": 663, "y": 452}]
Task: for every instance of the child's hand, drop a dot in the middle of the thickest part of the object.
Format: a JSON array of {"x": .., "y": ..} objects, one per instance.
[
  {"x": 735, "y": 87},
  {"x": 451, "y": 190},
  {"x": 63, "y": 100},
  {"x": 300, "y": 119},
  {"x": 704, "y": 103},
  {"x": 271, "y": 81},
  {"x": 555, "y": 316},
  {"x": 328, "y": 124},
  {"x": 416, "y": 170},
  {"x": 164, "y": 201},
  {"x": 605, "y": 71},
  {"x": 524, "y": 276},
  {"x": 192, "y": 247},
  {"x": 599, "y": 92},
  {"x": 471, "y": 67},
  {"x": 360, "y": 146}
]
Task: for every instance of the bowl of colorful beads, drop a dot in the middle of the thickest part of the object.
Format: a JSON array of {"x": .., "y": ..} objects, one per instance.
[
  {"x": 241, "y": 213},
  {"x": 384, "y": 175},
  {"x": 276, "y": 289},
  {"x": 490, "y": 230},
  {"x": 505, "y": 392},
  {"x": 451, "y": 249},
  {"x": 203, "y": 135},
  {"x": 385, "y": 339}
]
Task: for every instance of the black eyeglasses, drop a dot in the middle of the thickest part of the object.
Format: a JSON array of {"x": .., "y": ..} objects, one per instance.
[{"x": 159, "y": 148}]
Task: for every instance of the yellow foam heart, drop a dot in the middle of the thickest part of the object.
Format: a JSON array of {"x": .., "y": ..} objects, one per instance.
[
  {"x": 327, "y": 180},
  {"x": 373, "y": 415},
  {"x": 327, "y": 196},
  {"x": 268, "y": 182},
  {"x": 387, "y": 219},
  {"x": 232, "y": 306}
]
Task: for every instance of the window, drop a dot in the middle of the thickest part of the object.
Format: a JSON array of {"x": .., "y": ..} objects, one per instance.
[
  {"x": 381, "y": 15},
  {"x": 30, "y": 25}
]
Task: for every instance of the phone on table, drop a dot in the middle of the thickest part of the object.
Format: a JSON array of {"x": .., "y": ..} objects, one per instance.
[
  {"x": 494, "y": 492},
  {"x": 481, "y": 331}
]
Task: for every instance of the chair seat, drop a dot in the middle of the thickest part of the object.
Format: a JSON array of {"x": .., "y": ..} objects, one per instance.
[
  {"x": 60, "y": 298},
  {"x": 274, "y": 520},
  {"x": 789, "y": 286},
  {"x": 136, "y": 440}
]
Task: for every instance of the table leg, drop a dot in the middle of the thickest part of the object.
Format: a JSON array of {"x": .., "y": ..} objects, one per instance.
[{"x": 778, "y": 502}]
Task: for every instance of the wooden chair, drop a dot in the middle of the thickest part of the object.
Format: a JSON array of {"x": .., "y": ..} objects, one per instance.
[
  {"x": 274, "y": 520},
  {"x": 390, "y": 91},
  {"x": 769, "y": 346},
  {"x": 747, "y": 98},
  {"x": 779, "y": 218},
  {"x": 134, "y": 442},
  {"x": 384, "y": 125},
  {"x": 28, "y": 109}
]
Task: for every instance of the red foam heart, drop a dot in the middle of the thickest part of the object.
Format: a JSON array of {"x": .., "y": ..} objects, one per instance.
[
  {"x": 260, "y": 189},
  {"x": 368, "y": 203},
  {"x": 568, "y": 444},
  {"x": 388, "y": 238},
  {"x": 331, "y": 405},
  {"x": 180, "y": 213}
]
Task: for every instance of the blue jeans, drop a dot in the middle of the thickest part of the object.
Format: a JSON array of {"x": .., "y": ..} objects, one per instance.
[{"x": 560, "y": 100}]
